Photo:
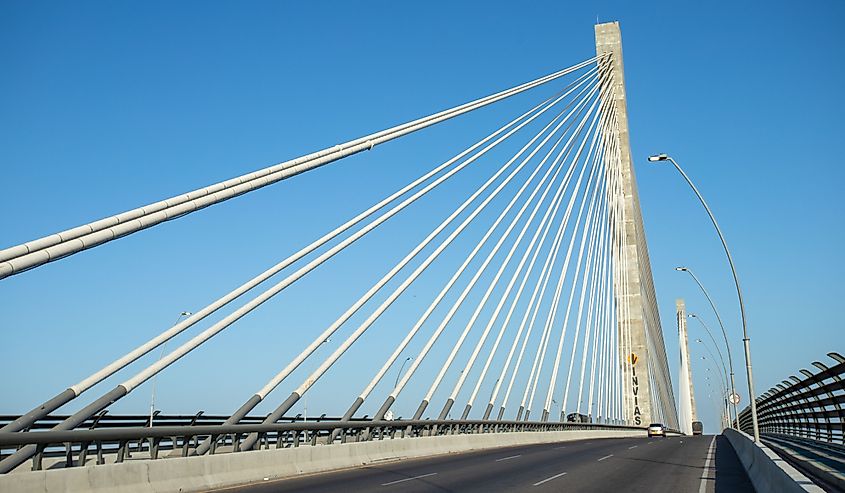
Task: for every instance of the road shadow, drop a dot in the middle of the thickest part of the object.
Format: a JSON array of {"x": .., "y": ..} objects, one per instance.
[{"x": 730, "y": 475}]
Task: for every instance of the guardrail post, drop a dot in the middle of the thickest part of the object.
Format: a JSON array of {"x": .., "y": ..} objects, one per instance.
[
  {"x": 121, "y": 450},
  {"x": 39, "y": 455},
  {"x": 83, "y": 453},
  {"x": 68, "y": 454},
  {"x": 186, "y": 443},
  {"x": 154, "y": 448}
]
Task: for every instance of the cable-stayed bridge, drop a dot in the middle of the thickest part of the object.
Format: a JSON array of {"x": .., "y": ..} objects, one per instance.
[{"x": 538, "y": 315}]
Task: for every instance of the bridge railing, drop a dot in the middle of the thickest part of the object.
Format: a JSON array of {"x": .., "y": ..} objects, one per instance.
[
  {"x": 105, "y": 420},
  {"x": 811, "y": 408},
  {"x": 79, "y": 447}
]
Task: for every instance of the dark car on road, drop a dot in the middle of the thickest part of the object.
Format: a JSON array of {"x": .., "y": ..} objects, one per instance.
[
  {"x": 578, "y": 418},
  {"x": 697, "y": 428}
]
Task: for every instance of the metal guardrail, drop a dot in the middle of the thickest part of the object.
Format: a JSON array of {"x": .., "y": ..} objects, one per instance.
[
  {"x": 106, "y": 420},
  {"x": 77, "y": 446},
  {"x": 812, "y": 407}
]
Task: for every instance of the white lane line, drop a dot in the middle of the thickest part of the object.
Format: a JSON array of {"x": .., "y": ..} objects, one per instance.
[
  {"x": 507, "y": 458},
  {"x": 706, "y": 473},
  {"x": 538, "y": 483},
  {"x": 605, "y": 457},
  {"x": 409, "y": 479},
  {"x": 558, "y": 448},
  {"x": 629, "y": 448}
]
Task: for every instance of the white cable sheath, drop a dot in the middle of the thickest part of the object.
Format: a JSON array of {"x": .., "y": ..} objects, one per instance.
[
  {"x": 534, "y": 304},
  {"x": 584, "y": 283},
  {"x": 369, "y": 321},
  {"x": 255, "y": 302},
  {"x": 38, "y": 252},
  {"x": 402, "y": 345},
  {"x": 545, "y": 226},
  {"x": 276, "y": 380},
  {"x": 539, "y": 356},
  {"x": 502, "y": 267},
  {"x": 534, "y": 247},
  {"x": 447, "y": 318},
  {"x": 592, "y": 155},
  {"x": 257, "y": 280},
  {"x": 550, "y": 318},
  {"x": 474, "y": 316},
  {"x": 481, "y": 304}
]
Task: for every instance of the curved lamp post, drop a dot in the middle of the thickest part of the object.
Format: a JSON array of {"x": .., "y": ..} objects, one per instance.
[
  {"x": 723, "y": 377},
  {"x": 745, "y": 339},
  {"x": 161, "y": 355},
  {"x": 400, "y": 371},
  {"x": 709, "y": 333}
]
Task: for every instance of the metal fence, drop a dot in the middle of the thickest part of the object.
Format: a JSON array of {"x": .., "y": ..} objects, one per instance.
[
  {"x": 812, "y": 407},
  {"x": 102, "y": 440}
]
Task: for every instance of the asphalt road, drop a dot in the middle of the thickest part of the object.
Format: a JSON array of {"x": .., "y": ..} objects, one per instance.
[{"x": 675, "y": 464}]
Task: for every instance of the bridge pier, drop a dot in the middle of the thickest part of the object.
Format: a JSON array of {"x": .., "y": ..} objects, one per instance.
[{"x": 638, "y": 321}]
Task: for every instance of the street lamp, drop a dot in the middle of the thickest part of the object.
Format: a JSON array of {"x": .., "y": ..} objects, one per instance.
[
  {"x": 725, "y": 418},
  {"x": 722, "y": 378},
  {"x": 304, "y": 396},
  {"x": 713, "y": 339},
  {"x": 161, "y": 355},
  {"x": 400, "y": 371},
  {"x": 745, "y": 339}
]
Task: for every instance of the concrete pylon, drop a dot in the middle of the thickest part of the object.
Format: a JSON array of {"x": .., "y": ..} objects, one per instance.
[
  {"x": 687, "y": 411},
  {"x": 646, "y": 374}
]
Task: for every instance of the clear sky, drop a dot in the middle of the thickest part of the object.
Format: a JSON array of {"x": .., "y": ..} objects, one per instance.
[{"x": 105, "y": 106}]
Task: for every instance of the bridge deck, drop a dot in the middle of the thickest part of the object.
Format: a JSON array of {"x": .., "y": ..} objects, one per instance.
[
  {"x": 824, "y": 463},
  {"x": 668, "y": 464}
]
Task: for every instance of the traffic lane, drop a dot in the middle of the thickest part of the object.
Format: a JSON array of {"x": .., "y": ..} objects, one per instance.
[
  {"x": 666, "y": 464},
  {"x": 705, "y": 464},
  {"x": 501, "y": 469}
]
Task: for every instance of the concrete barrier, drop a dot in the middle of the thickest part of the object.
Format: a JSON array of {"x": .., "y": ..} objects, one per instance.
[
  {"x": 766, "y": 470},
  {"x": 186, "y": 474}
]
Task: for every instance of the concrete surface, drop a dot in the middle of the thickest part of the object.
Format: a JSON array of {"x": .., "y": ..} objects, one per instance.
[
  {"x": 704, "y": 464},
  {"x": 202, "y": 473},
  {"x": 766, "y": 470}
]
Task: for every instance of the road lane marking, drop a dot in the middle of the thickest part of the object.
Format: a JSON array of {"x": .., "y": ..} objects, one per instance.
[
  {"x": 558, "y": 448},
  {"x": 506, "y": 458},
  {"x": 409, "y": 479},
  {"x": 629, "y": 448},
  {"x": 605, "y": 457},
  {"x": 706, "y": 473},
  {"x": 538, "y": 483}
]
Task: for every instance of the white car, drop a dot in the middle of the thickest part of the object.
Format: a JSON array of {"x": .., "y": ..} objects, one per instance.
[{"x": 656, "y": 430}]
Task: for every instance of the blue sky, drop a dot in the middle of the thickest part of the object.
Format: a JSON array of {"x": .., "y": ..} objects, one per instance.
[{"x": 105, "y": 106}]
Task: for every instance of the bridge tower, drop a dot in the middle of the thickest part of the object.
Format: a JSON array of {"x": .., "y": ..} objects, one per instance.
[
  {"x": 648, "y": 395},
  {"x": 685, "y": 388}
]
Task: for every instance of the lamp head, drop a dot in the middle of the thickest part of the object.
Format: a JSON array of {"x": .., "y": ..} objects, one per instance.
[
  {"x": 681, "y": 269},
  {"x": 658, "y": 157}
]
